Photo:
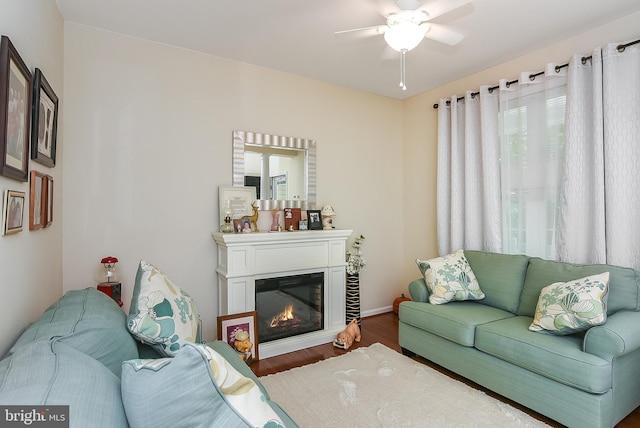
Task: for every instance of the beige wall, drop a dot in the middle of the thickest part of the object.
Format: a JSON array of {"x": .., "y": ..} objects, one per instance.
[
  {"x": 31, "y": 262},
  {"x": 148, "y": 141},
  {"x": 420, "y": 131}
]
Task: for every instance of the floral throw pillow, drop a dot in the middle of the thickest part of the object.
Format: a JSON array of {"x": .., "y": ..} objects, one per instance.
[
  {"x": 161, "y": 313},
  {"x": 450, "y": 278},
  {"x": 573, "y": 306}
]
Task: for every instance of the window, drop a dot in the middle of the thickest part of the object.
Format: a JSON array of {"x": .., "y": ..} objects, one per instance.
[{"x": 532, "y": 152}]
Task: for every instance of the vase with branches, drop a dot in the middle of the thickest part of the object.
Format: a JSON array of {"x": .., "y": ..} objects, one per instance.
[{"x": 355, "y": 262}]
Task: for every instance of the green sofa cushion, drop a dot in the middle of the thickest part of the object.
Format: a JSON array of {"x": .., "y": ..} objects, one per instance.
[
  {"x": 47, "y": 372},
  {"x": 501, "y": 277},
  {"x": 556, "y": 357},
  {"x": 624, "y": 283},
  {"x": 89, "y": 321},
  {"x": 455, "y": 321}
]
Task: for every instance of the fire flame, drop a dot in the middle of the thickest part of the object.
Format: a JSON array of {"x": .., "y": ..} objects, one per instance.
[{"x": 285, "y": 315}]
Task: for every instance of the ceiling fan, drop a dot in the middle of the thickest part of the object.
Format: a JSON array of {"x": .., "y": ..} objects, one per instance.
[{"x": 406, "y": 28}]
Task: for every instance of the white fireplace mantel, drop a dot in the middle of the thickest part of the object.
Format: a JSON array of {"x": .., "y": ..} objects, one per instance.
[{"x": 243, "y": 258}]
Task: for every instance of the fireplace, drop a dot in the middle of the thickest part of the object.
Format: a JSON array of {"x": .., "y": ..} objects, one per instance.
[
  {"x": 289, "y": 306},
  {"x": 246, "y": 259}
]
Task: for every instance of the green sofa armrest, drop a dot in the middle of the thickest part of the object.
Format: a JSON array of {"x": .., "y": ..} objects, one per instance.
[
  {"x": 619, "y": 335},
  {"x": 419, "y": 291}
]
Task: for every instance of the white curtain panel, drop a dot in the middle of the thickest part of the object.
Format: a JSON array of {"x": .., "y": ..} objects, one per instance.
[
  {"x": 581, "y": 228},
  {"x": 601, "y": 186},
  {"x": 468, "y": 191},
  {"x": 621, "y": 99}
]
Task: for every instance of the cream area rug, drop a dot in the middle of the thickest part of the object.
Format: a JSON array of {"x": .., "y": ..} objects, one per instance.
[{"x": 379, "y": 387}]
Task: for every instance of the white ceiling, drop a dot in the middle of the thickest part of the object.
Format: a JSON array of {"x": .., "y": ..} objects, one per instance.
[{"x": 297, "y": 36}]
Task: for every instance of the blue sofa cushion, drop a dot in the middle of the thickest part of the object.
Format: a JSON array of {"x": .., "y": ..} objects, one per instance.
[
  {"x": 89, "y": 321},
  {"x": 501, "y": 277},
  {"x": 624, "y": 283},
  {"x": 456, "y": 321},
  {"x": 556, "y": 357},
  {"x": 51, "y": 373},
  {"x": 201, "y": 387}
]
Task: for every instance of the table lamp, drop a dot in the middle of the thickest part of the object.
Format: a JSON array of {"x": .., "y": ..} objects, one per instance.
[{"x": 109, "y": 282}]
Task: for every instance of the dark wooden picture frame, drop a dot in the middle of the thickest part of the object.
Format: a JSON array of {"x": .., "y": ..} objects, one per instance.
[
  {"x": 230, "y": 325},
  {"x": 315, "y": 219},
  {"x": 44, "y": 126},
  {"x": 12, "y": 212},
  {"x": 15, "y": 99},
  {"x": 38, "y": 194}
]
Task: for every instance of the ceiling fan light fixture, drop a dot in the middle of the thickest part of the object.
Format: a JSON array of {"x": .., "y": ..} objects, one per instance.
[{"x": 405, "y": 35}]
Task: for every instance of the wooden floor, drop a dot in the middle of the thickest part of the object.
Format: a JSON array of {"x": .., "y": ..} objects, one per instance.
[{"x": 384, "y": 329}]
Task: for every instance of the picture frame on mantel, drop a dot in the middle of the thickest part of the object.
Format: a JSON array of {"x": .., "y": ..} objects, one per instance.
[
  {"x": 15, "y": 99},
  {"x": 236, "y": 200},
  {"x": 314, "y": 218},
  {"x": 243, "y": 327},
  {"x": 44, "y": 124}
]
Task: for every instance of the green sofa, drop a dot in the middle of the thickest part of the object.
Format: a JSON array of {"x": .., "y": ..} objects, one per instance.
[
  {"x": 588, "y": 379},
  {"x": 79, "y": 353}
]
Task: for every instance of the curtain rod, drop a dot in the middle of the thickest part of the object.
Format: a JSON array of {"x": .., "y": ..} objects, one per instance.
[{"x": 620, "y": 48}]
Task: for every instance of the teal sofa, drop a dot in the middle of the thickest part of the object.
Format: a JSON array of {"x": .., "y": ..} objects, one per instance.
[
  {"x": 588, "y": 379},
  {"x": 74, "y": 353}
]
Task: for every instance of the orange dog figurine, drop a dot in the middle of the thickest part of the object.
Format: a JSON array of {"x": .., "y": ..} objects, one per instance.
[{"x": 348, "y": 335}]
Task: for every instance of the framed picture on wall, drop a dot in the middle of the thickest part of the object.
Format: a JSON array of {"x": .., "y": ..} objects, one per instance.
[
  {"x": 49, "y": 220},
  {"x": 44, "y": 124},
  {"x": 12, "y": 212},
  {"x": 240, "y": 331},
  {"x": 15, "y": 100},
  {"x": 38, "y": 207}
]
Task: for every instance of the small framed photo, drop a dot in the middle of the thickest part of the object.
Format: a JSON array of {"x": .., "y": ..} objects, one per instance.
[
  {"x": 38, "y": 206},
  {"x": 302, "y": 225},
  {"x": 236, "y": 200},
  {"x": 15, "y": 103},
  {"x": 12, "y": 212},
  {"x": 240, "y": 331},
  {"x": 44, "y": 124},
  {"x": 315, "y": 219},
  {"x": 49, "y": 204}
]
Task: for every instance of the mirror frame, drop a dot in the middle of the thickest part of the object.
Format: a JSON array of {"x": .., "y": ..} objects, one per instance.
[{"x": 244, "y": 138}]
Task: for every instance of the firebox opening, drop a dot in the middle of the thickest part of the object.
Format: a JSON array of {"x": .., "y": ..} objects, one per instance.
[{"x": 289, "y": 306}]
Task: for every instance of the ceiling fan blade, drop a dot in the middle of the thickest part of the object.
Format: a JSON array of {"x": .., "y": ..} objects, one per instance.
[
  {"x": 371, "y": 31},
  {"x": 442, "y": 7},
  {"x": 442, "y": 34}
]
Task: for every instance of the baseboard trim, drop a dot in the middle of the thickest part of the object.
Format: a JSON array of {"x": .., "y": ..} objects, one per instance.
[{"x": 377, "y": 311}]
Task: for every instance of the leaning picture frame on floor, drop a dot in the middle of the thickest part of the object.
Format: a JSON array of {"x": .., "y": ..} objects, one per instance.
[
  {"x": 15, "y": 100},
  {"x": 240, "y": 331}
]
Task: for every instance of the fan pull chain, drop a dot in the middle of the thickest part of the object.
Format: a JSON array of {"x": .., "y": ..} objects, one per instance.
[{"x": 402, "y": 70}]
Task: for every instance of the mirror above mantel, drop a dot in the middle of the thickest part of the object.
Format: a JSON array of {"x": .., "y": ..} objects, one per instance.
[{"x": 282, "y": 169}]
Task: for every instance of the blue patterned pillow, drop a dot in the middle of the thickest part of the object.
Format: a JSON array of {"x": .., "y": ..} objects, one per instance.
[
  {"x": 201, "y": 389},
  {"x": 572, "y": 306},
  {"x": 161, "y": 313},
  {"x": 450, "y": 278}
]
